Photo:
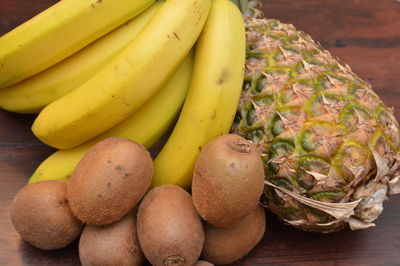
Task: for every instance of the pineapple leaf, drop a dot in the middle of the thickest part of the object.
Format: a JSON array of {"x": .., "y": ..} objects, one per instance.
[{"x": 249, "y": 7}]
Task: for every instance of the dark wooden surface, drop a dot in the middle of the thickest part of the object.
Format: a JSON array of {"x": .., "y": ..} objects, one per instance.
[{"x": 363, "y": 33}]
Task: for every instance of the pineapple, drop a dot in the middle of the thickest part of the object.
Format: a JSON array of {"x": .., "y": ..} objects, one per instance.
[{"x": 330, "y": 146}]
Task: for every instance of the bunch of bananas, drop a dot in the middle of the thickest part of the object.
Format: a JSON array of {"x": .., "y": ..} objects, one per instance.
[{"x": 99, "y": 68}]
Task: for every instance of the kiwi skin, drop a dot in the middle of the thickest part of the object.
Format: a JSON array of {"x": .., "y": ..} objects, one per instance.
[
  {"x": 228, "y": 180},
  {"x": 170, "y": 231},
  {"x": 227, "y": 245},
  {"x": 42, "y": 217},
  {"x": 109, "y": 181},
  {"x": 203, "y": 263},
  {"x": 113, "y": 244}
]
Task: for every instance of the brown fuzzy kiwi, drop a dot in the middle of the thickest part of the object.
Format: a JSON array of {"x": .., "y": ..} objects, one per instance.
[
  {"x": 113, "y": 244},
  {"x": 228, "y": 180},
  {"x": 41, "y": 215},
  {"x": 203, "y": 263},
  {"x": 109, "y": 181},
  {"x": 170, "y": 231},
  {"x": 226, "y": 245}
]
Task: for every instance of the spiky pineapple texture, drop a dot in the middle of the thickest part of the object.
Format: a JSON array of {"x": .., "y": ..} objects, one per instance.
[{"x": 329, "y": 145}]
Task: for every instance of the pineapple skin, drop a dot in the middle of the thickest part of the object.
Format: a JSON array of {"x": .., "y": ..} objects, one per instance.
[{"x": 322, "y": 132}]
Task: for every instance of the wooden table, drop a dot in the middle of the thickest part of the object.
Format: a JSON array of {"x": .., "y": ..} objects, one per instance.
[{"x": 363, "y": 33}]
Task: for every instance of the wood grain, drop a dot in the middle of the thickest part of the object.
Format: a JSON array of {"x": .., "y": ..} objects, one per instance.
[{"x": 363, "y": 34}]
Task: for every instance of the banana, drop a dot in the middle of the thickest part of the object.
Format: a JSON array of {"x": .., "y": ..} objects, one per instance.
[
  {"x": 145, "y": 126},
  {"x": 59, "y": 32},
  {"x": 128, "y": 81},
  {"x": 212, "y": 98},
  {"x": 34, "y": 93}
]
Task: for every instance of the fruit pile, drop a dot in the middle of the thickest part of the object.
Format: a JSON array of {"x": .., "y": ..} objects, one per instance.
[
  {"x": 329, "y": 147},
  {"x": 122, "y": 224}
]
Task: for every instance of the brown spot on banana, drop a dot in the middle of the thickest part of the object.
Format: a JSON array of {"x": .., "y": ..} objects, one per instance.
[{"x": 223, "y": 76}]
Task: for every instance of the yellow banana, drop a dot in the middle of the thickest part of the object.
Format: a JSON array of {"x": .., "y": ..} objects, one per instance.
[
  {"x": 59, "y": 32},
  {"x": 34, "y": 93},
  {"x": 128, "y": 81},
  {"x": 212, "y": 98},
  {"x": 145, "y": 126}
]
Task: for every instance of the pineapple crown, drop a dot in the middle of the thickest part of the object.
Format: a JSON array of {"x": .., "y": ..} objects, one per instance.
[{"x": 249, "y": 7}]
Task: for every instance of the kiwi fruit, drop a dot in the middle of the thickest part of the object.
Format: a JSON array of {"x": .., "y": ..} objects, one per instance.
[
  {"x": 42, "y": 217},
  {"x": 228, "y": 180},
  {"x": 113, "y": 244},
  {"x": 170, "y": 231},
  {"x": 226, "y": 245},
  {"x": 203, "y": 263},
  {"x": 109, "y": 181}
]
